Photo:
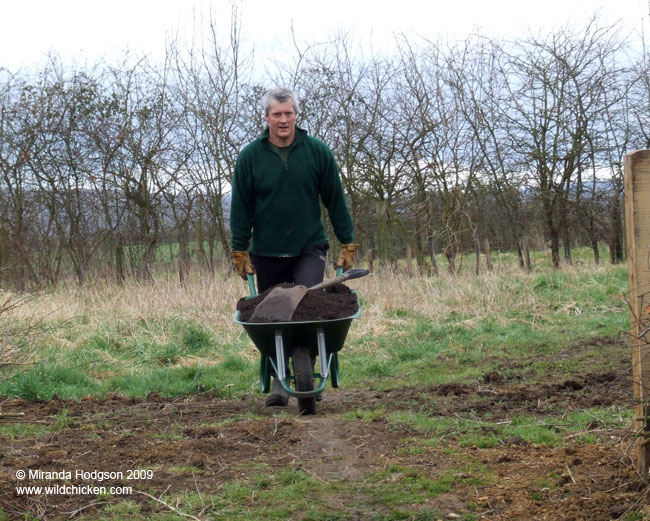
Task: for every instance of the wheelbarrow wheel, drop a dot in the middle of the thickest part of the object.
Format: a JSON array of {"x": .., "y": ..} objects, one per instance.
[
  {"x": 304, "y": 379},
  {"x": 334, "y": 371}
]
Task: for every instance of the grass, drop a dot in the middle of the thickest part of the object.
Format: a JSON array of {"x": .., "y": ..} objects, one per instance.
[
  {"x": 485, "y": 433},
  {"x": 136, "y": 339},
  {"x": 264, "y": 493},
  {"x": 414, "y": 332},
  {"x": 19, "y": 430}
]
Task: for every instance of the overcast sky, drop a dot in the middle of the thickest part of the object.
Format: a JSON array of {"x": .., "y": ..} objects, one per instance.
[{"x": 91, "y": 30}]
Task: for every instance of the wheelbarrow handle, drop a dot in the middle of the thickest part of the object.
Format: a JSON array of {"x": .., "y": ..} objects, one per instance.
[
  {"x": 341, "y": 276},
  {"x": 347, "y": 275},
  {"x": 251, "y": 284}
]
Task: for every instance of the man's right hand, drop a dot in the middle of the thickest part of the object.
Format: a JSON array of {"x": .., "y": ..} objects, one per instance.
[{"x": 242, "y": 264}]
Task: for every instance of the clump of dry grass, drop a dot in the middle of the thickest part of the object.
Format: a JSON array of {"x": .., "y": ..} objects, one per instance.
[
  {"x": 72, "y": 313},
  {"x": 205, "y": 299},
  {"x": 117, "y": 331},
  {"x": 508, "y": 289},
  {"x": 15, "y": 331},
  {"x": 210, "y": 300}
]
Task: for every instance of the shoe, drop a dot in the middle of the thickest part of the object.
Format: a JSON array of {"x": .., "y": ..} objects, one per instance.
[
  {"x": 278, "y": 396},
  {"x": 276, "y": 400}
]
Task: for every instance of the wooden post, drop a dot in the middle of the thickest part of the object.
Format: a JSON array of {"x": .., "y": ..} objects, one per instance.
[{"x": 637, "y": 230}]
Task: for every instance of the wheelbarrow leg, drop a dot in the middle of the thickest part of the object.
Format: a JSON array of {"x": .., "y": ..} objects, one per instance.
[
  {"x": 322, "y": 352},
  {"x": 278, "y": 396},
  {"x": 279, "y": 356}
]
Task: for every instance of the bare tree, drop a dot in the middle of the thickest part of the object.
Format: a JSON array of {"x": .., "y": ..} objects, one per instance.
[
  {"x": 214, "y": 84},
  {"x": 445, "y": 148},
  {"x": 31, "y": 255},
  {"x": 62, "y": 166},
  {"x": 146, "y": 162},
  {"x": 442, "y": 152},
  {"x": 474, "y": 77},
  {"x": 556, "y": 88}
]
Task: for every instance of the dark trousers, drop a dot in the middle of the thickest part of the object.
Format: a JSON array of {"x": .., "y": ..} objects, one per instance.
[{"x": 307, "y": 269}]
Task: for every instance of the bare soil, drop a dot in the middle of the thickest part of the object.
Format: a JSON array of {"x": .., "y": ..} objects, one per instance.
[
  {"x": 586, "y": 481},
  {"x": 337, "y": 301}
]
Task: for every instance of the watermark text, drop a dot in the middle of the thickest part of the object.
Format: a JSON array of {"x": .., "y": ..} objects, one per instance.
[{"x": 79, "y": 482}]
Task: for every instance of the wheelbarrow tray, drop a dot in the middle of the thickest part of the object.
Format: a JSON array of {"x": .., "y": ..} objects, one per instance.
[
  {"x": 306, "y": 333},
  {"x": 298, "y": 333}
]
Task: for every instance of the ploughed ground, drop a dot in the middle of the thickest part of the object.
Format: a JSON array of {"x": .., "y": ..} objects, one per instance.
[{"x": 198, "y": 444}]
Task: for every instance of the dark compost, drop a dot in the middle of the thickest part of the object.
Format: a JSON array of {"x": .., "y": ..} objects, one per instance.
[{"x": 337, "y": 301}]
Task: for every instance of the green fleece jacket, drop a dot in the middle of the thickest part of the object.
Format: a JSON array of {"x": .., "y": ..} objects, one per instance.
[{"x": 278, "y": 206}]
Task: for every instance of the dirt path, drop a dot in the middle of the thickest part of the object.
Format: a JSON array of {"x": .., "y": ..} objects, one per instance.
[{"x": 200, "y": 443}]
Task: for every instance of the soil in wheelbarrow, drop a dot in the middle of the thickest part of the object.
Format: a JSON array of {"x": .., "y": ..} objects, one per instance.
[{"x": 334, "y": 302}]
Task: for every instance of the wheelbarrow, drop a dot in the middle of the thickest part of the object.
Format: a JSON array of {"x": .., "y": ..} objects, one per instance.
[{"x": 302, "y": 342}]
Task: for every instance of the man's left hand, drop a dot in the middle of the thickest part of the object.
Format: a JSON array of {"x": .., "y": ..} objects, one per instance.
[{"x": 346, "y": 259}]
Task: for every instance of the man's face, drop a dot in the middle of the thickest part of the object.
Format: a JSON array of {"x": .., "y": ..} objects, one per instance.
[{"x": 281, "y": 119}]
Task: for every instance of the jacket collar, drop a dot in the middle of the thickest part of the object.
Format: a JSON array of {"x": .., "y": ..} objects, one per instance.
[{"x": 300, "y": 136}]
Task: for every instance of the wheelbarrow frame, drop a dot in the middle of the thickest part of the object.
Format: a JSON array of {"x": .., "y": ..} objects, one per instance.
[{"x": 276, "y": 340}]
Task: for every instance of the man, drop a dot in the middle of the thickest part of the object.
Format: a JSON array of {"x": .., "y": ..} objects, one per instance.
[{"x": 279, "y": 180}]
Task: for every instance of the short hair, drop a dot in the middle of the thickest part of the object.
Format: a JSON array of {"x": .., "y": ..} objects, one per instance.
[{"x": 281, "y": 95}]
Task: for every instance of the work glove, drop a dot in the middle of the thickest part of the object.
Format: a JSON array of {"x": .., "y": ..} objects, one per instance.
[
  {"x": 346, "y": 259},
  {"x": 241, "y": 264}
]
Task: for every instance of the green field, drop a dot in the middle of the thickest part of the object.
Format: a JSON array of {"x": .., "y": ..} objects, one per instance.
[{"x": 451, "y": 387}]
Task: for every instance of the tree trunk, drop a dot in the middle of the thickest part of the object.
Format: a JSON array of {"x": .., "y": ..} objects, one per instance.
[
  {"x": 553, "y": 233},
  {"x": 4, "y": 256},
  {"x": 450, "y": 253},
  {"x": 146, "y": 268},
  {"x": 432, "y": 254},
  {"x": 520, "y": 253},
  {"x": 385, "y": 240},
  {"x": 616, "y": 234},
  {"x": 488, "y": 254},
  {"x": 594, "y": 247},
  {"x": 526, "y": 253},
  {"x": 24, "y": 266},
  {"x": 420, "y": 247},
  {"x": 409, "y": 261},
  {"x": 477, "y": 248},
  {"x": 200, "y": 239},
  {"x": 183, "y": 256},
  {"x": 80, "y": 272},
  {"x": 119, "y": 262},
  {"x": 555, "y": 249},
  {"x": 212, "y": 236},
  {"x": 423, "y": 265},
  {"x": 564, "y": 231}
]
